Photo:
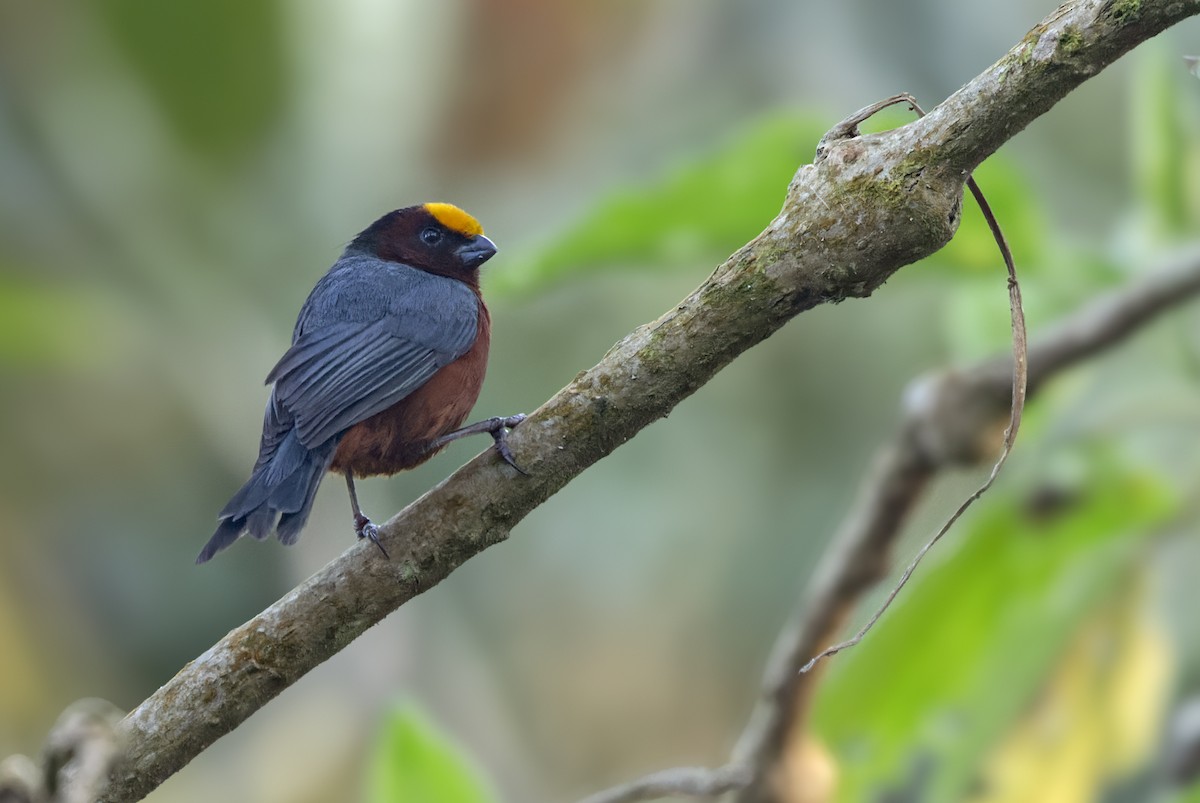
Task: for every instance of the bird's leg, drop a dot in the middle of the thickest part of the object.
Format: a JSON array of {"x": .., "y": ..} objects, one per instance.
[
  {"x": 496, "y": 427},
  {"x": 363, "y": 527}
]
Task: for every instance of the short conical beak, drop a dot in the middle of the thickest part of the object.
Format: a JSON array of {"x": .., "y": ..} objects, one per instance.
[{"x": 476, "y": 251}]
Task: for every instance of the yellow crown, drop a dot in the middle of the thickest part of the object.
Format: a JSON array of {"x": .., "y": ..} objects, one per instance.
[{"x": 455, "y": 219}]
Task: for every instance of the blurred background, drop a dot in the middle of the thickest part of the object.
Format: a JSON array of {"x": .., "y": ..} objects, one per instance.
[{"x": 176, "y": 176}]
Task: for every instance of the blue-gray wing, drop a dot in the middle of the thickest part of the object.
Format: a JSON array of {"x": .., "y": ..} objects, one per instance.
[{"x": 340, "y": 372}]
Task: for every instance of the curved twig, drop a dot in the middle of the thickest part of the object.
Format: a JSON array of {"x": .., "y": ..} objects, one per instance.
[{"x": 1020, "y": 385}]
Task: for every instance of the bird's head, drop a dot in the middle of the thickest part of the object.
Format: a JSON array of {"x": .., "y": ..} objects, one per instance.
[{"x": 434, "y": 237}]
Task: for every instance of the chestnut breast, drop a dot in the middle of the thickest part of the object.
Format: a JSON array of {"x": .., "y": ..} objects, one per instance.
[{"x": 398, "y": 438}]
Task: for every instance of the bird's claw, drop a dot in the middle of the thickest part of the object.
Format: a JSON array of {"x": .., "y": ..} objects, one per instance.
[
  {"x": 364, "y": 528},
  {"x": 499, "y": 433}
]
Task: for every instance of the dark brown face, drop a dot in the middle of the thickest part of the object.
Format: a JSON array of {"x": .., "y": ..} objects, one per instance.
[{"x": 429, "y": 237}]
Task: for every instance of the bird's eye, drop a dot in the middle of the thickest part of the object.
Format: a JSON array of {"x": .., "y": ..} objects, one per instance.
[{"x": 431, "y": 236}]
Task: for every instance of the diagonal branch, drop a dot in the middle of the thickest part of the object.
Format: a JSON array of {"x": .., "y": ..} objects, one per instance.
[{"x": 866, "y": 207}]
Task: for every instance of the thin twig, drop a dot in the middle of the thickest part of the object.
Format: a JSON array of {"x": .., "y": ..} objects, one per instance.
[{"x": 678, "y": 782}]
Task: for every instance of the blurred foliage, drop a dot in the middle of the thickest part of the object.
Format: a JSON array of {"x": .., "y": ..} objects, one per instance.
[
  {"x": 213, "y": 67},
  {"x": 413, "y": 763},
  {"x": 721, "y": 200},
  {"x": 973, "y": 637},
  {"x": 1098, "y": 717},
  {"x": 702, "y": 210},
  {"x": 1165, "y": 150}
]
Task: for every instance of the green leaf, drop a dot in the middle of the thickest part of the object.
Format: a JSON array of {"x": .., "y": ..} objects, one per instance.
[
  {"x": 699, "y": 213},
  {"x": 413, "y": 762},
  {"x": 944, "y": 674}
]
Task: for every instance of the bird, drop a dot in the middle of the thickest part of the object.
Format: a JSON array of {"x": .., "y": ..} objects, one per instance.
[{"x": 387, "y": 359}]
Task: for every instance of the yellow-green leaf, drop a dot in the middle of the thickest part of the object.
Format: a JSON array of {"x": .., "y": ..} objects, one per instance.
[{"x": 413, "y": 762}]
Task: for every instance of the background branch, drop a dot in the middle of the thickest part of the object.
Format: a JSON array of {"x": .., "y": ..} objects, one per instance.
[
  {"x": 950, "y": 419},
  {"x": 682, "y": 781},
  {"x": 80, "y": 752},
  {"x": 865, "y": 208}
]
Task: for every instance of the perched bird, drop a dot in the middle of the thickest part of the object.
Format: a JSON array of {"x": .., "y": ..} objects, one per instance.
[{"x": 387, "y": 359}]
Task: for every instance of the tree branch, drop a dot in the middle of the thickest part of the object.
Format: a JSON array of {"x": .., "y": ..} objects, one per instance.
[{"x": 866, "y": 207}]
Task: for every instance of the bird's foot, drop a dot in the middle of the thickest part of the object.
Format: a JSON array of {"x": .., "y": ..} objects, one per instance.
[
  {"x": 364, "y": 528},
  {"x": 497, "y": 427},
  {"x": 499, "y": 434}
]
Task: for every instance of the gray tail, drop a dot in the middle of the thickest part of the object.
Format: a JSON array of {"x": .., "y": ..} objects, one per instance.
[{"x": 278, "y": 496}]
